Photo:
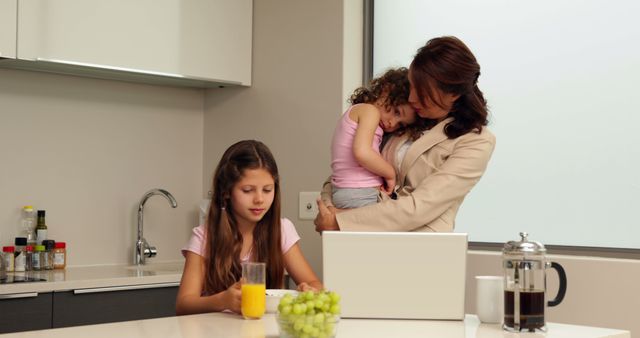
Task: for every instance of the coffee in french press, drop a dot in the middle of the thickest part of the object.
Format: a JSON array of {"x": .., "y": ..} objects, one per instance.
[{"x": 525, "y": 265}]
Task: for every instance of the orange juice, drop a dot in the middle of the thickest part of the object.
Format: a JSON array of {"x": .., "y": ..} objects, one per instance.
[{"x": 253, "y": 300}]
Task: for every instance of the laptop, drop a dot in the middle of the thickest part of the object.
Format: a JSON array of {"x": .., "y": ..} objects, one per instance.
[{"x": 396, "y": 275}]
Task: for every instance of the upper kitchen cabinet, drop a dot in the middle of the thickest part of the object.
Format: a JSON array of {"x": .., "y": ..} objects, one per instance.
[
  {"x": 202, "y": 43},
  {"x": 8, "y": 15}
]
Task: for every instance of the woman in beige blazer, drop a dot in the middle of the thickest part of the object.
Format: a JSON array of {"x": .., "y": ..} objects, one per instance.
[{"x": 436, "y": 171}]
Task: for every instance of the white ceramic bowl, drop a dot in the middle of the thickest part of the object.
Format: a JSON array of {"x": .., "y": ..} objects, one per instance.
[{"x": 273, "y": 298}]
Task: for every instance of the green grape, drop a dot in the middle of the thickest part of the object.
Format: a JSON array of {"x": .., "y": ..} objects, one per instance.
[
  {"x": 298, "y": 324},
  {"x": 329, "y": 327},
  {"x": 335, "y": 298},
  {"x": 309, "y": 314},
  {"x": 286, "y": 300},
  {"x": 324, "y": 297},
  {"x": 308, "y": 295},
  {"x": 285, "y": 309},
  {"x": 308, "y": 319},
  {"x": 335, "y": 309}
]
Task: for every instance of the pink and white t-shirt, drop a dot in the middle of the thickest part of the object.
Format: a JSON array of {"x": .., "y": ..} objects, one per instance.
[{"x": 196, "y": 244}]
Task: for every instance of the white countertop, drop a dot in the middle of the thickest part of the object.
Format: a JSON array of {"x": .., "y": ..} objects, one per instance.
[
  {"x": 212, "y": 325},
  {"x": 100, "y": 276}
]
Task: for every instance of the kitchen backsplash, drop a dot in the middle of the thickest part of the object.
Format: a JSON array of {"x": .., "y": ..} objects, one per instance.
[{"x": 87, "y": 150}]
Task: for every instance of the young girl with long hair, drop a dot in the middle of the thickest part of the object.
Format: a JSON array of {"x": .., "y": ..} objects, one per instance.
[
  {"x": 243, "y": 225},
  {"x": 359, "y": 172}
]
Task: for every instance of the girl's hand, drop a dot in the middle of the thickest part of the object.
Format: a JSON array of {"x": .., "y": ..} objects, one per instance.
[
  {"x": 389, "y": 185},
  {"x": 233, "y": 297},
  {"x": 306, "y": 287}
]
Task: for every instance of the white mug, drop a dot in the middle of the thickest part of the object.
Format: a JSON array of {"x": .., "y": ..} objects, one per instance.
[{"x": 489, "y": 298}]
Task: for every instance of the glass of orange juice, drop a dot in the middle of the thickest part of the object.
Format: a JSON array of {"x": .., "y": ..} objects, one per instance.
[{"x": 253, "y": 290}]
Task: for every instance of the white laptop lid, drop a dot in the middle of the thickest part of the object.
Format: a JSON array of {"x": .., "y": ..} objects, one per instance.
[{"x": 407, "y": 275}]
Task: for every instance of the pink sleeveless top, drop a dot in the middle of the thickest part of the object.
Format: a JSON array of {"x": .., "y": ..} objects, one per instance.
[{"x": 346, "y": 172}]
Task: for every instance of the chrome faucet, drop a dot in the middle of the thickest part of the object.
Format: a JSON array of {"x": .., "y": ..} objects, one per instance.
[{"x": 142, "y": 248}]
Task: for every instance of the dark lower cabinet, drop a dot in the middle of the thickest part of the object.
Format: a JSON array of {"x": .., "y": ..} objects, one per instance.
[
  {"x": 37, "y": 311},
  {"x": 26, "y": 311},
  {"x": 71, "y": 309}
]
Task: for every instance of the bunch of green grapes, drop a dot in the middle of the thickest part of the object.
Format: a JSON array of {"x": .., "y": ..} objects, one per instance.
[{"x": 309, "y": 314}]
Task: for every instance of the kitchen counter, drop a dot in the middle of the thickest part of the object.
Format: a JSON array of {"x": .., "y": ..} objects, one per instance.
[
  {"x": 211, "y": 325},
  {"x": 99, "y": 276}
]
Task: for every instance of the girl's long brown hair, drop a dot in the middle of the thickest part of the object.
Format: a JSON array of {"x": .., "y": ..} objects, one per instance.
[
  {"x": 448, "y": 64},
  {"x": 223, "y": 240}
]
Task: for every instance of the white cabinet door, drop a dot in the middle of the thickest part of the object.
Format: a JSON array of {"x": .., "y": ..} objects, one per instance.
[
  {"x": 201, "y": 39},
  {"x": 217, "y": 39},
  {"x": 8, "y": 25}
]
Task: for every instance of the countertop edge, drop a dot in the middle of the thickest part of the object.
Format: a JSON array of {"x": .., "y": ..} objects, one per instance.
[{"x": 90, "y": 277}]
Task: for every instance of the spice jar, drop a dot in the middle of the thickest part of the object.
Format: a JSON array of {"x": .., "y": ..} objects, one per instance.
[
  {"x": 47, "y": 256},
  {"x": 19, "y": 257},
  {"x": 8, "y": 257},
  {"x": 60, "y": 255},
  {"x": 28, "y": 266},
  {"x": 37, "y": 258}
]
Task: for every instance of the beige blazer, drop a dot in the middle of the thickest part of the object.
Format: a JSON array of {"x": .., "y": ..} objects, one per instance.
[{"x": 434, "y": 177}]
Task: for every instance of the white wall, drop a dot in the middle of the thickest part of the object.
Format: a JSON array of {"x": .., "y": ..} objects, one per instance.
[{"x": 86, "y": 151}]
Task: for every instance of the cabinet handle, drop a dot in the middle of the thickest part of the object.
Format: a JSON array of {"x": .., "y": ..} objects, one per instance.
[
  {"x": 19, "y": 295},
  {"x": 125, "y": 288}
]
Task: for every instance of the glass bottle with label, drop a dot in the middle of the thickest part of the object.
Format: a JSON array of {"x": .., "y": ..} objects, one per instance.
[
  {"x": 28, "y": 224},
  {"x": 41, "y": 228}
]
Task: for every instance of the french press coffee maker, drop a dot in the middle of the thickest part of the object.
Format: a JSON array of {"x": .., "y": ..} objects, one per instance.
[{"x": 525, "y": 285}]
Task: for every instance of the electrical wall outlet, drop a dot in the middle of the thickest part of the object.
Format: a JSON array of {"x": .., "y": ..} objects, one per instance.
[{"x": 308, "y": 207}]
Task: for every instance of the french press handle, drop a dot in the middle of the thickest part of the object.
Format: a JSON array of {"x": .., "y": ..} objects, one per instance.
[{"x": 562, "y": 289}]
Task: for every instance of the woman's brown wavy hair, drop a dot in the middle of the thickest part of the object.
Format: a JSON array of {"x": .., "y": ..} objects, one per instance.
[
  {"x": 394, "y": 87},
  {"x": 448, "y": 64},
  {"x": 223, "y": 240}
]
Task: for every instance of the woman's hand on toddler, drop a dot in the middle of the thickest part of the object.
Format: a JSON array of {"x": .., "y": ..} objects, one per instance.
[{"x": 326, "y": 218}]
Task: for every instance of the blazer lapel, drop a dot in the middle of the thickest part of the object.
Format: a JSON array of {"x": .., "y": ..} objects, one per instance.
[{"x": 431, "y": 137}]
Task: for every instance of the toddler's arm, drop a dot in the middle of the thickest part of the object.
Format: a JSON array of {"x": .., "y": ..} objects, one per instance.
[{"x": 368, "y": 120}]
